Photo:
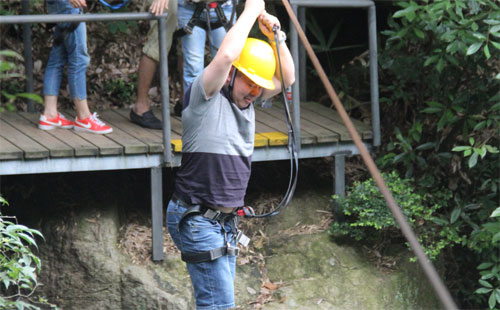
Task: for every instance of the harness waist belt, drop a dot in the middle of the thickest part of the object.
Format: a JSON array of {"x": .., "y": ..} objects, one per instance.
[
  {"x": 211, "y": 214},
  {"x": 211, "y": 255}
]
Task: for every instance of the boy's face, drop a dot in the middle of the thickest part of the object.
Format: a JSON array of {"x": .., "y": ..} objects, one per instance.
[{"x": 245, "y": 91}]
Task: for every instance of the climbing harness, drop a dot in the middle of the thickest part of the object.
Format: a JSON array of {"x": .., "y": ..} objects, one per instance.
[
  {"x": 222, "y": 218},
  {"x": 196, "y": 20},
  {"x": 232, "y": 218},
  {"x": 207, "y": 25}
]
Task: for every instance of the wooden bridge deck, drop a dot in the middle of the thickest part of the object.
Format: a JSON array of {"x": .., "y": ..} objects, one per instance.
[{"x": 22, "y": 141}]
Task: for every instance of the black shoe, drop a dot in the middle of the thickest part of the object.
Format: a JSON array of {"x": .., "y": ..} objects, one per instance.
[{"x": 148, "y": 119}]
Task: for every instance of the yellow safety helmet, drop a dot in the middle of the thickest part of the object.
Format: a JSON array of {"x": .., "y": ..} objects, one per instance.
[{"x": 257, "y": 62}]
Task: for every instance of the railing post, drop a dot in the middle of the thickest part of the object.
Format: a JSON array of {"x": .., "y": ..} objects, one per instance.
[
  {"x": 157, "y": 212},
  {"x": 372, "y": 31},
  {"x": 302, "y": 57},
  {"x": 28, "y": 59},
  {"x": 294, "y": 43},
  {"x": 165, "y": 98}
]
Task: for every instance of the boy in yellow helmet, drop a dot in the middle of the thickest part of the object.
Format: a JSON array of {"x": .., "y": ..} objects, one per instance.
[{"x": 218, "y": 120}]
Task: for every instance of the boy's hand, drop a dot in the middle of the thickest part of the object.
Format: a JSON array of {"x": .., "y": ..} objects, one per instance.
[
  {"x": 79, "y": 4},
  {"x": 158, "y": 6},
  {"x": 266, "y": 24}
]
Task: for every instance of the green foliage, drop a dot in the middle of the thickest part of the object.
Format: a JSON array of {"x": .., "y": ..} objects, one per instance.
[
  {"x": 368, "y": 218},
  {"x": 440, "y": 71},
  {"x": 18, "y": 265},
  {"x": 121, "y": 90},
  {"x": 325, "y": 45},
  {"x": 9, "y": 76}
]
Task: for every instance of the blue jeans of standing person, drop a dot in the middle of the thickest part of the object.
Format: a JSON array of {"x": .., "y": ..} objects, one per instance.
[
  {"x": 72, "y": 52},
  {"x": 213, "y": 281},
  {"x": 193, "y": 45}
]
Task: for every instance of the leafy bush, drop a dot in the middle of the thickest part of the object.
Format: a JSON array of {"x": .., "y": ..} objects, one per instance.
[
  {"x": 18, "y": 265},
  {"x": 368, "y": 218},
  {"x": 9, "y": 77},
  {"x": 121, "y": 90},
  {"x": 440, "y": 71}
]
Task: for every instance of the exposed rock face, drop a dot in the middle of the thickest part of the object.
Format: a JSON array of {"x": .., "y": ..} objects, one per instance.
[{"x": 83, "y": 268}]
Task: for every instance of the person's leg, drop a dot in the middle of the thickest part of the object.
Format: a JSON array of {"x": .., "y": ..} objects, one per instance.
[
  {"x": 78, "y": 60},
  {"x": 52, "y": 80},
  {"x": 50, "y": 106},
  {"x": 213, "y": 281},
  {"x": 193, "y": 45},
  {"x": 75, "y": 44},
  {"x": 147, "y": 69},
  {"x": 141, "y": 113}
]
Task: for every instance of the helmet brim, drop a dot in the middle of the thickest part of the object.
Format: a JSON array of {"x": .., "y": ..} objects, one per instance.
[{"x": 267, "y": 84}]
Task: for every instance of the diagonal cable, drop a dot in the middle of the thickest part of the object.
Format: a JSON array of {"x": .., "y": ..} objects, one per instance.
[{"x": 427, "y": 266}]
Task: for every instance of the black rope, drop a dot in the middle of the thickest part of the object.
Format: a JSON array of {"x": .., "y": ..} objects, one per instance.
[{"x": 292, "y": 148}]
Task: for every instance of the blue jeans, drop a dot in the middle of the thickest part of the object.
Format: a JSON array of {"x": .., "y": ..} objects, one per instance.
[
  {"x": 72, "y": 52},
  {"x": 193, "y": 45},
  {"x": 213, "y": 281}
]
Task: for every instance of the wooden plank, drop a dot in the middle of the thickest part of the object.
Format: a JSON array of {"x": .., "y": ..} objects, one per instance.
[
  {"x": 81, "y": 147},
  {"x": 30, "y": 148},
  {"x": 364, "y": 129},
  {"x": 276, "y": 138},
  {"x": 130, "y": 144},
  {"x": 322, "y": 134},
  {"x": 105, "y": 145},
  {"x": 326, "y": 123},
  {"x": 115, "y": 120},
  {"x": 56, "y": 147},
  {"x": 175, "y": 133},
  {"x": 260, "y": 140},
  {"x": 271, "y": 120},
  {"x": 9, "y": 150},
  {"x": 271, "y": 134}
]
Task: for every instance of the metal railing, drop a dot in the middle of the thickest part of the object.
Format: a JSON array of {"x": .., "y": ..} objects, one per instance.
[
  {"x": 299, "y": 87},
  {"x": 26, "y": 20}
]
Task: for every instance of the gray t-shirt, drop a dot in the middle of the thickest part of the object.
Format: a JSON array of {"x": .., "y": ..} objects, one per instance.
[{"x": 217, "y": 145}]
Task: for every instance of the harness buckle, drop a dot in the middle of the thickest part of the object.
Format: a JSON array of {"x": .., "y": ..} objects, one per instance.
[
  {"x": 242, "y": 239},
  {"x": 212, "y": 214},
  {"x": 232, "y": 251}
]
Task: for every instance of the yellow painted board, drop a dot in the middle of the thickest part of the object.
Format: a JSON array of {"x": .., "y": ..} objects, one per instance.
[
  {"x": 276, "y": 138},
  {"x": 177, "y": 143},
  {"x": 260, "y": 140}
]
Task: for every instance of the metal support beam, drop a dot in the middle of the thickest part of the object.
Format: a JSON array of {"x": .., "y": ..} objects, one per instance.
[
  {"x": 339, "y": 175},
  {"x": 294, "y": 43},
  {"x": 60, "y": 18},
  {"x": 157, "y": 213},
  {"x": 302, "y": 58},
  {"x": 28, "y": 59},
  {"x": 372, "y": 32},
  {"x": 165, "y": 98}
]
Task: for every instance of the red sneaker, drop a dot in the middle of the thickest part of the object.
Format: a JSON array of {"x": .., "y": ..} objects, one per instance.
[
  {"x": 92, "y": 124},
  {"x": 57, "y": 122}
]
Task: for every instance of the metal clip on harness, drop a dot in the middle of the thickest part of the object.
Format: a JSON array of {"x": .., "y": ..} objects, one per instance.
[{"x": 228, "y": 249}]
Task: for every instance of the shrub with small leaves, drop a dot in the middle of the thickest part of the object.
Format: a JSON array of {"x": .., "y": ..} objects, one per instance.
[
  {"x": 368, "y": 218},
  {"x": 18, "y": 266}
]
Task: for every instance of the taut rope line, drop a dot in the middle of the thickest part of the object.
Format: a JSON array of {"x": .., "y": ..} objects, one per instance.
[{"x": 427, "y": 266}]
